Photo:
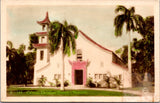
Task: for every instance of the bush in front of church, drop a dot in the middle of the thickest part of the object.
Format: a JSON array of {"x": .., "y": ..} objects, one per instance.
[
  {"x": 42, "y": 80},
  {"x": 90, "y": 83},
  {"x": 66, "y": 83}
]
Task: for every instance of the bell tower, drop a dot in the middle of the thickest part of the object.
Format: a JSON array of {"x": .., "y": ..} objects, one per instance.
[
  {"x": 42, "y": 46},
  {"x": 42, "y": 55}
]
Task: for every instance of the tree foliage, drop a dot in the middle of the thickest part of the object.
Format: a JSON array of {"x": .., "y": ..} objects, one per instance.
[
  {"x": 33, "y": 39},
  {"x": 65, "y": 34},
  {"x": 127, "y": 17},
  {"x": 143, "y": 49},
  {"x": 19, "y": 65}
]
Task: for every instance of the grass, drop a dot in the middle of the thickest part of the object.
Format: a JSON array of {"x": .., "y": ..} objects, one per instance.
[{"x": 20, "y": 91}]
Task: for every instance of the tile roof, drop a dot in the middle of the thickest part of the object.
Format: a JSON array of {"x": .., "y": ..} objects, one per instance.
[
  {"x": 41, "y": 33},
  {"x": 40, "y": 45},
  {"x": 45, "y": 21}
]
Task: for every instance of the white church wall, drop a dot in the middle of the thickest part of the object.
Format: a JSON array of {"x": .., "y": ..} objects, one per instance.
[
  {"x": 100, "y": 62},
  {"x": 40, "y": 63},
  {"x": 42, "y": 39}
]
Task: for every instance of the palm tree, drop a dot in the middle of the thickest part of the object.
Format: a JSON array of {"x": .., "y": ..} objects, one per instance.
[
  {"x": 21, "y": 49},
  {"x": 9, "y": 54},
  {"x": 132, "y": 21},
  {"x": 63, "y": 35}
]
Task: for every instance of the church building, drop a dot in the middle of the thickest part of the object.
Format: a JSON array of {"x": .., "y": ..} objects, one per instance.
[{"x": 90, "y": 61}]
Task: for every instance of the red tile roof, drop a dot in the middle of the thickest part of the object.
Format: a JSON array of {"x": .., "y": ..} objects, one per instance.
[
  {"x": 40, "y": 45},
  {"x": 41, "y": 33},
  {"x": 94, "y": 41},
  {"x": 45, "y": 21}
]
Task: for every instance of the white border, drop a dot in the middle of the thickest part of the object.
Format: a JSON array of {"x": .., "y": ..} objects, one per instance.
[{"x": 4, "y": 5}]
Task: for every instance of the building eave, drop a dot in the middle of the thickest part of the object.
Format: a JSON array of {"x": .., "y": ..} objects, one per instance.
[
  {"x": 103, "y": 48},
  {"x": 41, "y": 33},
  {"x": 88, "y": 38},
  {"x": 45, "y": 21},
  {"x": 42, "y": 45}
]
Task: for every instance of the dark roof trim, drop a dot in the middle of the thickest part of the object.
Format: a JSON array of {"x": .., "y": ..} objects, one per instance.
[
  {"x": 94, "y": 42},
  {"x": 88, "y": 38},
  {"x": 40, "y": 45},
  {"x": 41, "y": 33}
]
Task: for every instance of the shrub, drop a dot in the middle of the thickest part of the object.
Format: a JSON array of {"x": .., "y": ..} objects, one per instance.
[
  {"x": 107, "y": 80},
  {"x": 66, "y": 83},
  {"x": 98, "y": 85},
  {"x": 118, "y": 81},
  {"x": 51, "y": 84},
  {"x": 90, "y": 82},
  {"x": 102, "y": 83},
  {"x": 58, "y": 84},
  {"x": 42, "y": 80}
]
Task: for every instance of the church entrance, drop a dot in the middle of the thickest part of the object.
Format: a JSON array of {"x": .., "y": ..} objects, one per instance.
[
  {"x": 79, "y": 77},
  {"x": 79, "y": 72}
]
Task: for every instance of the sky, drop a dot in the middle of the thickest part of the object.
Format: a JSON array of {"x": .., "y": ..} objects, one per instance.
[{"x": 94, "y": 21}]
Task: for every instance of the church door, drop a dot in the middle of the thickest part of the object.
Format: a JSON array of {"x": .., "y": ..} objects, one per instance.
[{"x": 79, "y": 77}]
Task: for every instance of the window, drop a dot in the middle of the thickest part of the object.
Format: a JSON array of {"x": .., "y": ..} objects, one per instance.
[
  {"x": 104, "y": 76},
  {"x": 79, "y": 55},
  {"x": 57, "y": 76},
  {"x": 41, "y": 55},
  {"x": 42, "y": 39},
  {"x": 100, "y": 76},
  {"x": 101, "y": 64},
  {"x": 96, "y": 76}
]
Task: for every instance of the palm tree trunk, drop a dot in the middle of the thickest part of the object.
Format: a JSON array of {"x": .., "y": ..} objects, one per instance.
[
  {"x": 62, "y": 75},
  {"x": 129, "y": 59}
]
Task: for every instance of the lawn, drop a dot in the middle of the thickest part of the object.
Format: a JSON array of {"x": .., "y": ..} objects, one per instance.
[{"x": 20, "y": 91}]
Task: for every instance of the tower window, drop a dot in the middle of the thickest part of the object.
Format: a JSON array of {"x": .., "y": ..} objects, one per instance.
[
  {"x": 41, "y": 55},
  {"x": 79, "y": 55},
  {"x": 42, "y": 39}
]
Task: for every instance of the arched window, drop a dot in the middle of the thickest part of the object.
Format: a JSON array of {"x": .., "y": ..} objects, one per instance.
[{"x": 79, "y": 55}]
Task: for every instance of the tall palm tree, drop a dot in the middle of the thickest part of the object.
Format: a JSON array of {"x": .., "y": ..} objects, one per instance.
[
  {"x": 132, "y": 21},
  {"x": 62, "y": 35}
]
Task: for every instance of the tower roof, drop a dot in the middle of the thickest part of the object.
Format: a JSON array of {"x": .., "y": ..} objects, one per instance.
[
  {"x": 42, "y": 45},
  {"x": 45, "y": 21},
  {"x": 41, "y": 33}
]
